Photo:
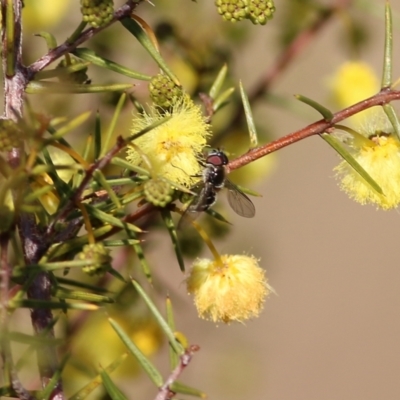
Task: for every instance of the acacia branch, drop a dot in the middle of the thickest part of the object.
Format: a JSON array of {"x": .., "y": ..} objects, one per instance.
[
  {"x": 122, "y": 12},
  {"x": 165, "y": 390},
  {"x": 385, "y": 96}
]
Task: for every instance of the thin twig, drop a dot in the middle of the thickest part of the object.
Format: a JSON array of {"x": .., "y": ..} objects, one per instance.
[
  {"x": 165, "y": 392},
  {"x": 385, "y": 96},
  {"x": 76, "y": 197},
  {"x": 124, "y": 11}
]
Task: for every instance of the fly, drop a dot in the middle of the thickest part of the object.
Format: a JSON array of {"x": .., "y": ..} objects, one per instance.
[{"x": 214, "y": 179}]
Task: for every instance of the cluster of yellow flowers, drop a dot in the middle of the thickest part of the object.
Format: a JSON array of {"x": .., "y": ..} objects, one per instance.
[
  {"x": 379, "y": 150},
  {"x": 231, "y": 287},
  {"x": 234, "y": 287}
]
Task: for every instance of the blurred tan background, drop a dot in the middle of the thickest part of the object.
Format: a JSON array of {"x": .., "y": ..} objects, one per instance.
[{"x": 333, "y": 329}]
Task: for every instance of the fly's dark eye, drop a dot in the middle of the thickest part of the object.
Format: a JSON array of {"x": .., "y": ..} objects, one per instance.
[
  {"x": 215, "y": 159},
  {"x": 224, "y": 158}
]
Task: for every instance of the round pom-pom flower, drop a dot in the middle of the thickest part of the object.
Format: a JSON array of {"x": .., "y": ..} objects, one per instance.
[
  {"x": 352, "y": 82},
  {"x": 380, "y": 158},
  {"x": 232, "y": 288},
  {"x": 174, "y": 147}
]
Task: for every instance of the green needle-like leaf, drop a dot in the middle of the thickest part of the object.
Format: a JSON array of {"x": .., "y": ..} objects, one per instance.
[
  {"x": 388, "y": 49},
  {"x": 53, "y": 266},
  {"x": 179, "y": 387},
  {"x": 90, "y": 55},
  {"x": 113, "y": 124},
  {"x": 111, "y": 388},
  {"x": 79, "y": 284},
  {"x": 61, "y": 71},
  {"x": 142, "y": 259},
  {"x": 336, "y": 144},
  {"x": 9, "y": 36},
  {"x": 393, "y": 118},
  {"x": 97, "y": 381},
  {"x": 70, "y": 126},
  {"x": 120, "y": 242},
  {"x": 163, "y": 324},
  {"x": 249, "y": 118},
  {"x": 47, "y": 391},
  {"x": 146, "y": 364},
  {"x": 38, "y": 193},
  {"x": 97, "y": 138},
  {"x": 63, "y": 293},
  {"x": 39, "y": 87},
  {"x": 34, "y": 341},
  {"x": 100, "y": 178},
  {"x": 109, "y": 219},
  {"x": 219, "y": 82},
  {"x": 52, "y": 305},
  {"x": 147, "y": 129},
  {"x": 173, "y": 357},
  {"x": 133, "y": 27},
  {"x": 125, "y": 164},
  {"x": 222, "y": 99},
  {"x": 166, "y": 215},
  {"x": 71, "y": 245},
  {"x": 51, "y": 41},
  {"x": 218, "y": 216},
  {"x": 326, "y": 114}
]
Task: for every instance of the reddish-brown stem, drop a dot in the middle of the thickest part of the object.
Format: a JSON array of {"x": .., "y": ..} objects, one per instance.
[
  {"x": 165, "y": 392},
  {"x": 122, "y": 12},
  {"x": 385, "y": 96}
]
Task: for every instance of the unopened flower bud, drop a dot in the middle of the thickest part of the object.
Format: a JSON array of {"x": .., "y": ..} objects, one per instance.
[
  {"x": 163, "y": 91},
  {"x": 260, "y": 11},
  {"x": 232, "y": 10},
  {"x": 10, "y": 135},
  {"x": 158, "y": 192},
  {"x": 97, "y": 12},
  {"x": 100, "y": 257}
]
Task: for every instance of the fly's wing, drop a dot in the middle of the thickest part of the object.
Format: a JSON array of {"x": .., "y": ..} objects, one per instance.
[
  {"x": 239, "y": 202},
  {"x": 193, "y": 210}
]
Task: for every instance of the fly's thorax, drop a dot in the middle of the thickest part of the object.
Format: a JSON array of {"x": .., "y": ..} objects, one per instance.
[{"x": 215, "y": 175}]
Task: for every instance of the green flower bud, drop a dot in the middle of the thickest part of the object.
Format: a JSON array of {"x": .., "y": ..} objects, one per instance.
[
  {"x": 97, "y": 12},
  {"x": 100, "y": 257},
  {"x": 259, "y": 11},
  {"x": 232, "y": 10},
  {"x": 163, "y": 91},
  {"x": 158, "y": 192},
  {"x": 10, "y": 135}
]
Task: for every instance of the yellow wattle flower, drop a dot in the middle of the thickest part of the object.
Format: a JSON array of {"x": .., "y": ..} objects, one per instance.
[
  {"x": 40, "y": 15},
  {"x": 380, "y": 157},
  {"x": 173, "y": 148},
  {"x": 352, "y": 82},
  {"x": 233, "y": 288}
]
